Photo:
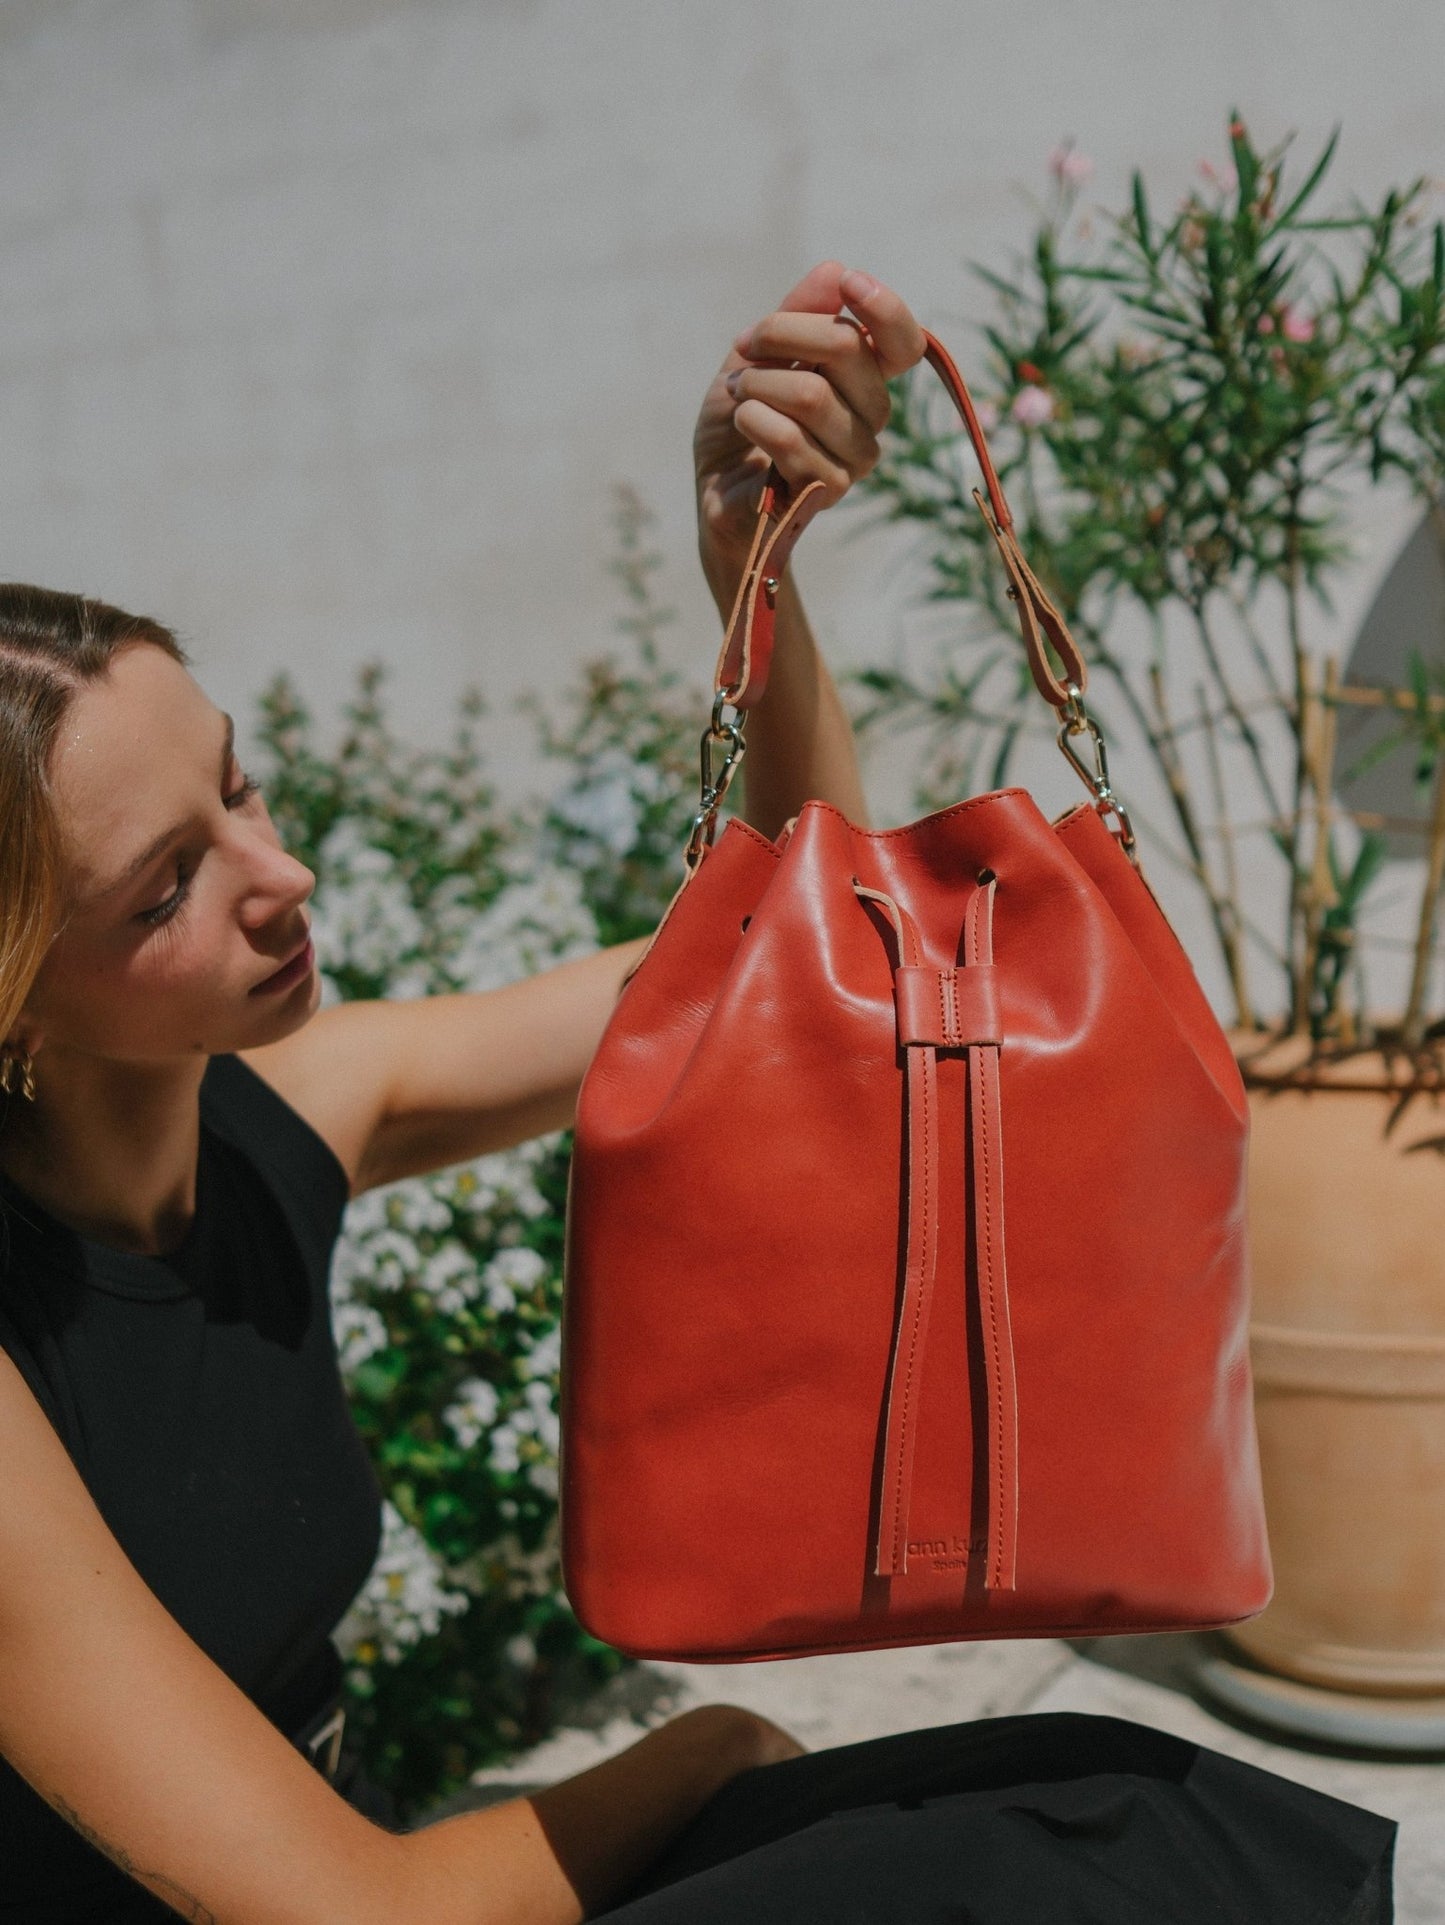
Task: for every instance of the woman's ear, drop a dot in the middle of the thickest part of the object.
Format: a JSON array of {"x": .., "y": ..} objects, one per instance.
[{"x": 27, "y": 1039}]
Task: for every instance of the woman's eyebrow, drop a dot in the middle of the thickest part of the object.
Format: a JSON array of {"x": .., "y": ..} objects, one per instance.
[{"x": 159, "y": 844}]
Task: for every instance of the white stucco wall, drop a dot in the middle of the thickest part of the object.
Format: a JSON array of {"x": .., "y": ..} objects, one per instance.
[{"x": 325, "y": 325}]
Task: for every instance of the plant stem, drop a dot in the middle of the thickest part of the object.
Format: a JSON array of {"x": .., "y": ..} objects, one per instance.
[
  {"x": 1238, "y": 714},
  {"x": 1267, "y": 671},
  {"x": 1235, "y": 957},
  {"x": 1163, "y": 741}
]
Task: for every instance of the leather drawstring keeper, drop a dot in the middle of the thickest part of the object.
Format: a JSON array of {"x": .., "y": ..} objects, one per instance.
[{"x": 953, "y": 1009}]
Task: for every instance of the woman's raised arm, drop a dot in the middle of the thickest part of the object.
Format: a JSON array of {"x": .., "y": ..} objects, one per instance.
[
  {"x": 804, "y": 389},
  {"x": 399, "y": 1088}
]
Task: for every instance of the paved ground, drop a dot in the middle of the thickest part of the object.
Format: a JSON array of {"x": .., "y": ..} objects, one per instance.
[{"x": 827, "y": 1701}]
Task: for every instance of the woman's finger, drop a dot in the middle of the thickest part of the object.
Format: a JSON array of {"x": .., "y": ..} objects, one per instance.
[
  {"x": 797, "y": 456},
  {"x": 819, "y": 292},
  {"x": 812, "y": 400},
  {"x": 897, "y": 338},
  {"x": 832, "y": 344}
]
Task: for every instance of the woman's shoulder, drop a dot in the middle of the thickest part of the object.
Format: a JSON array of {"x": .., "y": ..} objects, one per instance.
[{"x": 241, "y": 1106}]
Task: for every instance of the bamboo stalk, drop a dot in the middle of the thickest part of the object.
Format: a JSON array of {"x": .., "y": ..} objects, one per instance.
[
  {"x": 1319, "y": 895},
  {"x": 1354, "y": 695},
  {"x": 1299, "y": 1015},
  {"x": 1413, "y": 1027},
  {"x": 1322, "y": 778},
  {"x": 1398, "y": 825}
]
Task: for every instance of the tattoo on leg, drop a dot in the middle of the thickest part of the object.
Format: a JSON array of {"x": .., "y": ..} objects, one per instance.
[{"x": 176, "y": 1896}]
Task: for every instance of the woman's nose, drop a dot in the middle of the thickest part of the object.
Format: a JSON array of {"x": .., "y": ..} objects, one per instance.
[{"x": 278, "y": 883}]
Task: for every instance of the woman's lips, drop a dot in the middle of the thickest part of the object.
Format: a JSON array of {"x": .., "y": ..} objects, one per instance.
[{"x": 289, "y": 974}]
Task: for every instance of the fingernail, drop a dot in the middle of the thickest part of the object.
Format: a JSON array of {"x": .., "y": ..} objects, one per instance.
[
  {"x": 857, "y": 285},
  {"x": 744, "y": 341},
  {"x": 733, "y": 380}
]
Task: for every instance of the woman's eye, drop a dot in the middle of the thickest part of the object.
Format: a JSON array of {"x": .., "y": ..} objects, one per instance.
[
  {"x": 163, "y": 911},
  {"x": 241, "y": 795}
]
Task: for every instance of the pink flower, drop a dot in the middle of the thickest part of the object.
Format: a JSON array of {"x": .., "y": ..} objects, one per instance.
[
  {"x": 1069, "y": 167},
  {"x": 987, "y": 413},
  {"x": 1220, "y": 175},
  {"x": 1032, "y": 407},
  {"x": 1295, "y": 325},
  {"x": 1266, "y": 324}
]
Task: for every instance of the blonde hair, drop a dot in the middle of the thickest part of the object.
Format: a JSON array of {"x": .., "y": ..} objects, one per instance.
[{"x": 50, "y": 646}]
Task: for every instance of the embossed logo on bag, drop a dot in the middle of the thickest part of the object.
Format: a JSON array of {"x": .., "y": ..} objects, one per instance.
[{"x": 947, "y": 1553}]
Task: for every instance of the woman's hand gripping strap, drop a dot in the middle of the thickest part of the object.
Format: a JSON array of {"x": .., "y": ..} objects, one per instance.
[
  {"x": 1055, "y": 660},
  {"x": 746, "y": 655}
]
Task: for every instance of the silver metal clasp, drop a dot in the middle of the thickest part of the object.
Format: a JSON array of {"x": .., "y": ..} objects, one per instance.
[
  {"x": 715, "y": 779},
  {"x": 1074, "y": 721}
]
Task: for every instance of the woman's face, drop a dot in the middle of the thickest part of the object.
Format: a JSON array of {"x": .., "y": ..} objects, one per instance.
[{"x": 185, "y": 930}]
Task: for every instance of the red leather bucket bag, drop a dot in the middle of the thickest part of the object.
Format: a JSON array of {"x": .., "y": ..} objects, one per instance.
[{"x": 907, "y": 1280}]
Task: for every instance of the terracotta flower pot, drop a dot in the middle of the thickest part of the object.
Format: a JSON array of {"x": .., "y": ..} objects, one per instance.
[{"x": 1348, "y": 1228}]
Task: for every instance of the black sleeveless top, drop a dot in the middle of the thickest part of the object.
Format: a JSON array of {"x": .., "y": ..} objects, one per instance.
[{"x": 199, "y": 1398}]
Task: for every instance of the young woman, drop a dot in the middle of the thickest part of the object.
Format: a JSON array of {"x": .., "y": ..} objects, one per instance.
[{"x": 184, "y": 1507}]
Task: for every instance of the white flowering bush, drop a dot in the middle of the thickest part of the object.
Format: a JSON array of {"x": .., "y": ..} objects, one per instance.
[
  {"x": 406, "y": 1597},
  {"x": 446, "y": 1288}
]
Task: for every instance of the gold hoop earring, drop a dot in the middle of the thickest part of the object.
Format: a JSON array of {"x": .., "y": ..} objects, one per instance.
[{"x": 23, "y": 1063}]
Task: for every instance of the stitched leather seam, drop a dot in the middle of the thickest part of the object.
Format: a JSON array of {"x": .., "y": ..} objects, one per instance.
[
  {"x": 987, "y": 1254},
  {"x": 741, "y": 612},
  {"x": 897, "y": 1421},
  {"x": 978, "y": 948},
  {"x": 1089, "y": 1627},
  {"x": 979, "y": 1081},
  {"x": 900, "y": 1522},
  {"x": 756, "y": 835},
  {"x": 939, "y": 815}
]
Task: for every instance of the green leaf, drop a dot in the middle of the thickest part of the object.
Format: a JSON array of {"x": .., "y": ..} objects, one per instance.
[
  {"x": 1246, "y": 161},
  {"x": 1316, "y": 174},
  {"x": 1142, "y": 227}
]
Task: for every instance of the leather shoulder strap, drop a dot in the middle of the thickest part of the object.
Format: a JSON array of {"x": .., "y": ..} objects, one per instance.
[{"x": 746, "y": 656}]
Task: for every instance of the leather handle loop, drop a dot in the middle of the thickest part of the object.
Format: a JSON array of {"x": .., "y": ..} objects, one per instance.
[
  {"x": 747, "y": 649},
  {"x": 946, "y": 368}
]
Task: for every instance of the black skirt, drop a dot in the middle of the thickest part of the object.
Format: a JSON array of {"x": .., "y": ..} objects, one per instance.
[{"x": 1053, "y": 1819}]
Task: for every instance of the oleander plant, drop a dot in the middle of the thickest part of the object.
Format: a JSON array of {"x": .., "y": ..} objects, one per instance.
[
  {"x": 1186, "y": 405},
  {"x": 446, "y": 1289}
]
